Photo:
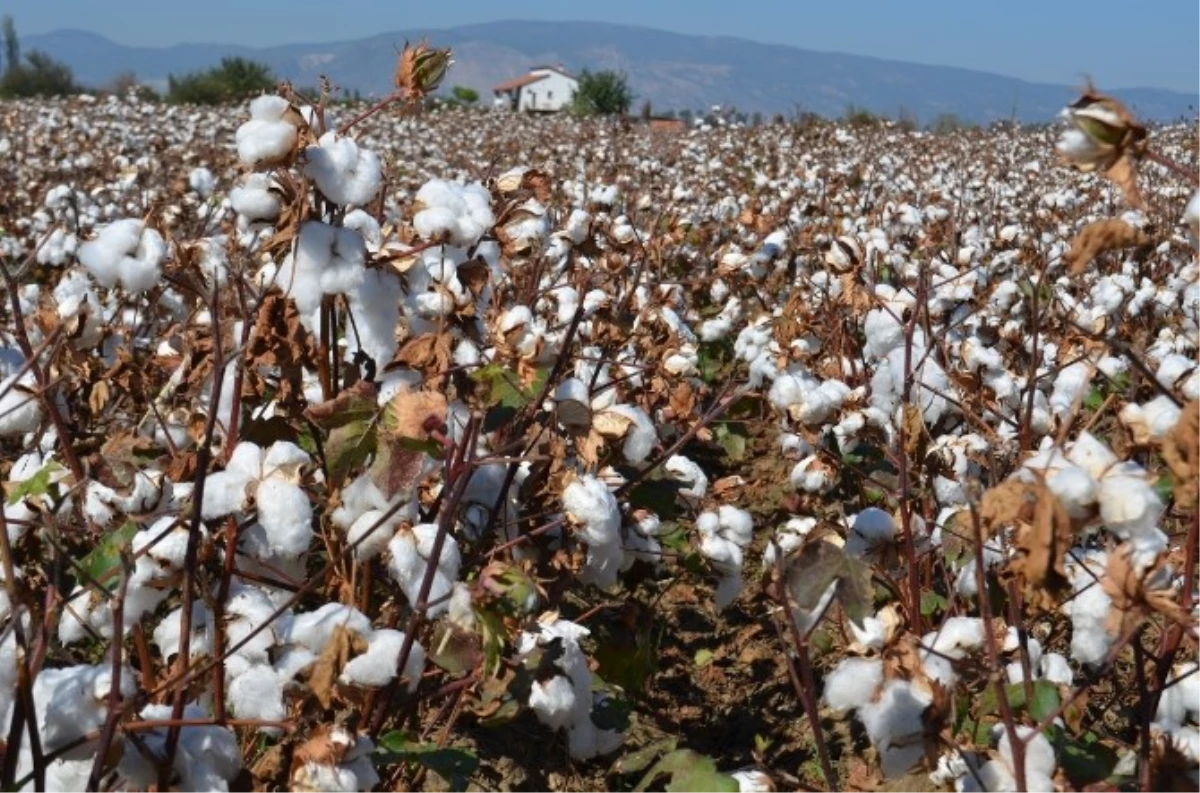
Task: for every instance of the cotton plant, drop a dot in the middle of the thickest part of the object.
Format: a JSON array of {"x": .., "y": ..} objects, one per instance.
[
  {"x": 566, "y": 698},
  {"x": 724, "y": 535}
]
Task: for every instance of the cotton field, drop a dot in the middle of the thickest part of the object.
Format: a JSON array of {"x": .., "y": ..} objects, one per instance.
[{"x": 364, "y": 448}]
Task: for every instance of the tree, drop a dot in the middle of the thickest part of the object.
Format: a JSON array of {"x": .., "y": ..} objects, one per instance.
[
  {"x": 468, "y": 96},
  {"x": 12, "y": 44},
  {"x": 233, "y": 80},
  {"x": 602, "y": 93},
  {"x": 647, "y": 111}
]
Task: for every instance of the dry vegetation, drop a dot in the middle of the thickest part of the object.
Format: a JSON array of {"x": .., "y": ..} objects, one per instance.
[{"x": 352, "y": 448}]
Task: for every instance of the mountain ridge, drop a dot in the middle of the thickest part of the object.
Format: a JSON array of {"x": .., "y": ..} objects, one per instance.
[{"x": 671, "y": 70}]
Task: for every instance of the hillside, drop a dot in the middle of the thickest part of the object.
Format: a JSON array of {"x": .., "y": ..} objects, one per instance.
[{"x": 671, "y": 70}]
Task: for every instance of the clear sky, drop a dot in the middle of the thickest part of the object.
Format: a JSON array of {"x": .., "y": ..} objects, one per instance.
[{"x": 1120, "y": 43}]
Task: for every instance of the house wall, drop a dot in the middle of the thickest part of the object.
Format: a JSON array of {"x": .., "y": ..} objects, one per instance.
[{"x": 554, "y": 92}]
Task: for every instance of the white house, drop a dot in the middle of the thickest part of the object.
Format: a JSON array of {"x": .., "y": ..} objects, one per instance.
[{"x": 546, "y": 89}]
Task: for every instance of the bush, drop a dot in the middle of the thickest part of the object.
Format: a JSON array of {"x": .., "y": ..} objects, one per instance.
[
  {"x": 234, "y": 79},
  {"x": 40, "y": 75},
  {"x": 468, "y": 96},
  {"x": 602, "y": 93}
]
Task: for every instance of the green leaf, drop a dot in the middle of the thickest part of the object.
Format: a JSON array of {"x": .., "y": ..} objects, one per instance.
[
  {"x": 36, "y": 485},
  {"x": 639, "y": 760},
  {"x": 1165, "y": 487},
  {"x": 1045, "y": 700},
  {"x": 931, "y": 603},
  {"x": 1086, "y": 760},
  {"x": 453, "y": 764},
  {"x": 688, "y": 770},
  {"x": 703, "y": 658},
  {"x": 454, "y": 649},
  {"x": 732, "y": 438},
  {"x": 1094, "y": 400},
  {"x": 352, "y": 422},
  {"x": 106, "y": 556},
  {"x": 505, "y": 386},
  {"x": 429, "y": 446}
]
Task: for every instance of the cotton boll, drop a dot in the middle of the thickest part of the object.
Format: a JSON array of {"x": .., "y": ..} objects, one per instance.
[
  {"x": 313, "y": 630},
  {"x": 1129, "y": 504},
  {"x": 691, "y": 474},
  {"x": 852, "y": 683},
  {"x": 202, "y": 181},
  {"x": 20, "y": 409},
  {"x": 1091, "y": 455},
  {"x": 461, "y": 212},
  {"x": 125, "y": 253},
  {"x": 1055, "y": 669},
  {"x": 257, "y": 693},
  {"x": 812, "y": 475},
  {"x": 285, "y": 515},
  {"x": 266, "y": 138},
  {"x": 254, "y": 200},
  {"x": 893, "y": 723},
  {"x": 1069, "y": 386},
  {"x": 871, "y": 527},
  {"x": 377, "y": 666},
  {"x": 344, "y": 173},
  {"x": 553, "y": 701},
  {"x": 1151, "y": 421},
  {"x": 641, "y": 435},
  {"x": 589, "y": 502}
]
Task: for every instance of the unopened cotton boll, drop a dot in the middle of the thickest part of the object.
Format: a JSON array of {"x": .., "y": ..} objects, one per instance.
[
  {"x": 267, "y": 137},
  {"x": 344, "y": 173}
]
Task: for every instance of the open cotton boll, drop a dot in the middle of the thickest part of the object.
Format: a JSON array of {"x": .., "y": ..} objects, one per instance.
[
  {"x": 73, "y": 702},
  {"x": 207, "y": 756},
  {"x": 266, "y": 138},
  {"x": 553, "y": 701},
  {"x": 893, "y": 723},
  {"x": 641, "y": 436},
  {"x": 685, "y": 470},
  {"x": 1070, "y": 384},
  {"x": 257, "y": 693},
  {"x": 1091, "y": 455},
  {"x": 285, "y": 517},
  {"x": 724, "y": 534},
  {"x": 1129, "y": 505},
  {"x": 852, "y": 683},
  {"x": 20, "y": 409},
  {"x": 1088, "y": 610},
  {"x": 1151, "y": 421},
  {"x": 870, "y": 528},
  {"x": 812, "y": 475},
  {"x": 409, "y": 558},
  {"x": 254, "y": 199},
  {"x": 1039, "y": 762},
  {"x": 343, "y": 172},
  {"x": 589, "y": 502},
  {"x": 202, "y": 181},
  {"x": 377, "y": 666},
  {"x": 313, "y": 630},
  {"x": 462, "y": 212},
  {"x": 125, "y": 253}
]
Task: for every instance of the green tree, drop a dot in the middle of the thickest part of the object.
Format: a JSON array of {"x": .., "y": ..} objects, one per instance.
[
  {"x": 468, "y": 96},
  {"x": 12, "y": 44},
  {"x": 40, "y": 75},
  {"x": 234, "y": 79},
  {"x": 602, "y": 93}
]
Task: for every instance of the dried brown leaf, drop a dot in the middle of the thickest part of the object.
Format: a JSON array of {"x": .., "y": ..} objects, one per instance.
[
  {"x": 1041, "y": 547},
  {"x": 1181, "y": 451},
  {"x": 330, "y": 663},
  {"x": 1100, "y": 236},
  {"x": 411, "y": 414}
]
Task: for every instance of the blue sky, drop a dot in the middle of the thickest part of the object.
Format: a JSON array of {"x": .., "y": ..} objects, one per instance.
[{"x": 1120, "y": 43}]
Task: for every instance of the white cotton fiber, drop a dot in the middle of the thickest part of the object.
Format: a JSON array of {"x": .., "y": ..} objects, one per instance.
[
  {"x": 463, "y": 212},
  {"x": 254, "y": 199},
  {"x": 343, "y": 172},
  {"x": 266, "y": 138},
  {"x": 553, "y": 701},
  {"x": 377, "y": 666},
  {"x": 314, "y": 629},
  {"x": 285, "y": 515},
  {"x": 125, "y": 253},
  {"x": 852, "y": 683},
  {"x": 20, "y": 409}
]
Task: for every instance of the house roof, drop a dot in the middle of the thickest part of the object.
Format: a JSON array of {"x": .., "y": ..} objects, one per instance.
[
  {"x": 514, "y": 84},
  {"x": 559, "y": 68}
]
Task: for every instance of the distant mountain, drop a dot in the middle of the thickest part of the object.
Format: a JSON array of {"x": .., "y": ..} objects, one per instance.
[{"x": 671, "y": 70}]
